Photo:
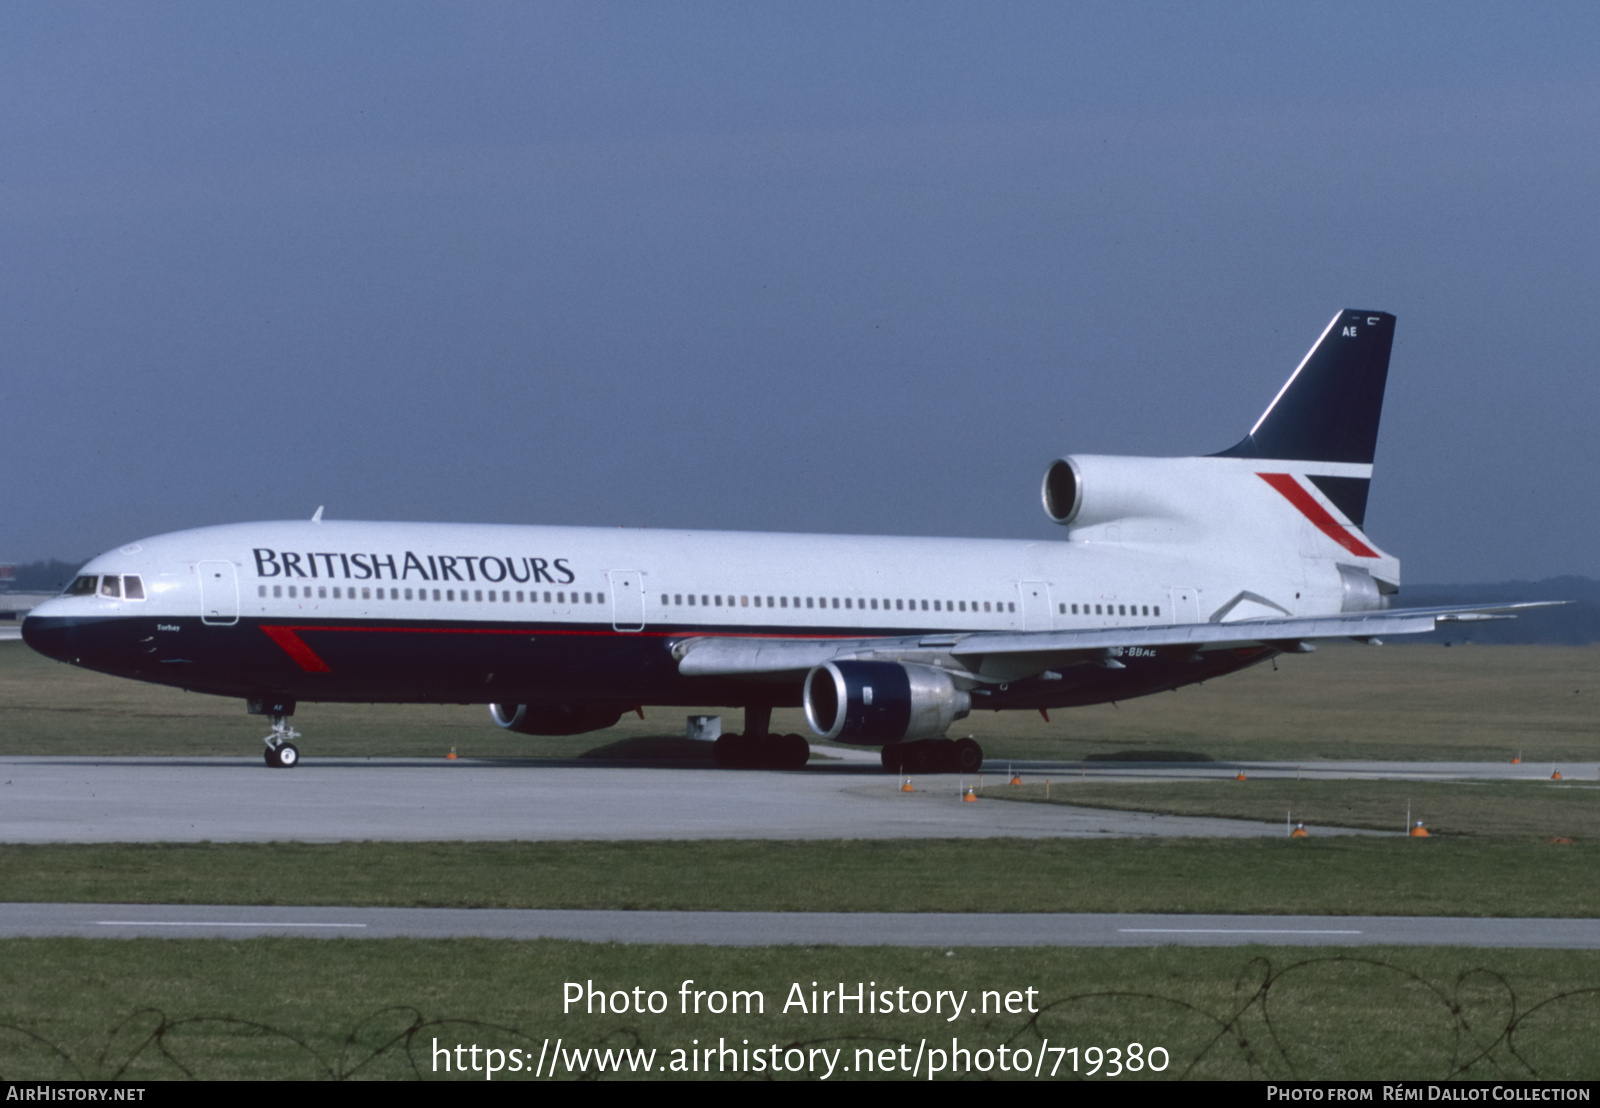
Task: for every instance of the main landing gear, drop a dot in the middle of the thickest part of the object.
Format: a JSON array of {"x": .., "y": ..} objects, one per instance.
[
  {"x": 933, "y": 756},
  {"x": 757, "y": 749},
  {"x": 281, "y": 752}
]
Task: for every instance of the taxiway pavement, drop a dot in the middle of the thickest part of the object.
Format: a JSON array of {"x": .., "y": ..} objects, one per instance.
[
  {"x": 45, "y": 799},
  {"x": 67, "y": 799}
]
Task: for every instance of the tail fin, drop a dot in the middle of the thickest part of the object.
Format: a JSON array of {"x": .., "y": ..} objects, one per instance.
[{"x": 1328, "y": 411}]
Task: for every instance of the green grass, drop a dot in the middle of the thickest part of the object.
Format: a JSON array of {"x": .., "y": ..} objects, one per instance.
[
  {"x": 1338, "y": 875},
  {"x": 1345, "y": 701},
  {"x": 1520, "y": 810},
  {"x": 141, "y": 1010}
]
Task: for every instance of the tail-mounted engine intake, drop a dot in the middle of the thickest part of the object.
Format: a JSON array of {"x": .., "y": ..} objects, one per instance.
[
  {"x": 1149, "y": 499},
  {"x": 881, "y": 702},
  {"x": 1063, "y": 491},
  {"x": 1084, "y": 490},
  {"x": 554, "y": 719}
]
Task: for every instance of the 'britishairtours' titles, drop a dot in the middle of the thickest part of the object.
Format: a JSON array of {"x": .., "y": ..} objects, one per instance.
[{"x": 409, "y": 566}]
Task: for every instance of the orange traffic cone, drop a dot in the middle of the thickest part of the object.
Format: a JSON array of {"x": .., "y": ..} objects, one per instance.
[
  {"x": 1299, "y": 832},
  {"x": 971, "y": 797},
  {"x": 1556, "y": 776},
  {"x": 1241, "y": 776},
  {"x": 906, "y": 788},
  {"x": 452, "y": 753},
  {"x": 1419, "y": 831}
]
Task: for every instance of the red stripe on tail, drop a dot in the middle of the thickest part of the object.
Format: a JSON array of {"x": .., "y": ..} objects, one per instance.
[{"x": 1317, "y": 514}]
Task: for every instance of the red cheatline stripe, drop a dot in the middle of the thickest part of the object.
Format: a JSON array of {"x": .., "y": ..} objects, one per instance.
[
  {"x": 296, "y": 648},
  {"x": 1316, "y": 513}
]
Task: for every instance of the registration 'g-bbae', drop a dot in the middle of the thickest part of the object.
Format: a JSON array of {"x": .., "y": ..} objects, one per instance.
[{"x": 1168, "y": 571}]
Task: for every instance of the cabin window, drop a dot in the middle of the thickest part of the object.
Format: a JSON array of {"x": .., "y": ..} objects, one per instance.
[
  {"x": 449, "y": 594},
  {"x": 769, "y": 601},
  {"x": 277, "y": 592},
  {"x": 783, "y": 601},
  {"x": 261, "y": 590}
]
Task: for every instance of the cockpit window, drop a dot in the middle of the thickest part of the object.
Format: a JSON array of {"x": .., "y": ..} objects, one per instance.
[
  {"x": 132, "y": 587},
  {"x": 81, "y": 586},
  {"x": 111, "y": 586}
]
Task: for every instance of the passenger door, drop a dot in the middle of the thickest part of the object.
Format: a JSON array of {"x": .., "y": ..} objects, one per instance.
[
  {"x": 219, "y": 593},
  {"x": 627, "y": 600}
]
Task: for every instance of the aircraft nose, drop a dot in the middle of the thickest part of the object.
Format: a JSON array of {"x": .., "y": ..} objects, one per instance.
[{"x": 50, "y": 637}]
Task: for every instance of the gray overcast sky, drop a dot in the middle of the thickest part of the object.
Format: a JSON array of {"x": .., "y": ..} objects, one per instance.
[{"x": 838, "y": 267}]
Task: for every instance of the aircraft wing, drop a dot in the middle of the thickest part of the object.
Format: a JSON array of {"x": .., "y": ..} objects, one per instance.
[{"x": 1012, "y": 655}]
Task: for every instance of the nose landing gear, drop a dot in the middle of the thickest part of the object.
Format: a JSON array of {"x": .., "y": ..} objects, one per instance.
[{"x": 281, "y": 753}]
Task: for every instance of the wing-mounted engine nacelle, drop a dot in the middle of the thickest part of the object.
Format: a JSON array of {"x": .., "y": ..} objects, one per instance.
[
  {"x": 554, "y": 719},
  {"x": 872, "y": 703}
]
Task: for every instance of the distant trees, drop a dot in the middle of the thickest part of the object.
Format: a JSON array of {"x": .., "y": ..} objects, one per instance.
[{"x": 47, "y": 576}]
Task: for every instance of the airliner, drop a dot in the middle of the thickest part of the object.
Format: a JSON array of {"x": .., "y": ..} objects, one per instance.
[{"x": 1168, "y": 571}]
